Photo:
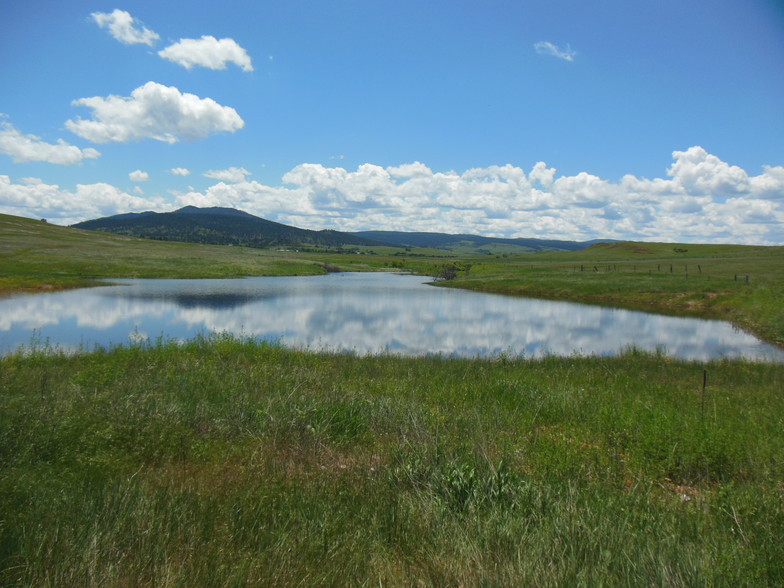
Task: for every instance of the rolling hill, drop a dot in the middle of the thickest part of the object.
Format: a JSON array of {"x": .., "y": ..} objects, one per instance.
[
  {"x": 229, "y": 226},
  {"x": 459, "y": 243},
  {"x": 218, "y": 226}
]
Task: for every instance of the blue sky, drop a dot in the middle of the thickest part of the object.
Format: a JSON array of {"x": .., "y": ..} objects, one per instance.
[{"x": 555, "y": 119}]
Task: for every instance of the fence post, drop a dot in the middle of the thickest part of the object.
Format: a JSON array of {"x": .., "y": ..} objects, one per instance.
[{"x": 702, "y": 397}]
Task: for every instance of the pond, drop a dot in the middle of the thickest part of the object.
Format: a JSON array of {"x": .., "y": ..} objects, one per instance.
[{"x": 363, "y": 313}]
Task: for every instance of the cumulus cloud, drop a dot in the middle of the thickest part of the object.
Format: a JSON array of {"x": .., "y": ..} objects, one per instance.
[
  {"x": 542, "y": 174},
  {"x": 409, "y": 170},
  {"x": 702, "y": 198},
  {"x": 698, "y": 172},
  {"x": 23, "y": 148},
  {"x": 180, "y": 171},
  {"x": 153, "y": 111},
  {"x": 139, "y": 176},
  {"x": 125, "y": 28},
  {"x": 699, "y": 198},
  {"x": 207, "y": 52},
  {"x": 232, "y": 174},
  {"x": 35, "y": 199},
  {"x": 547, "y": 48}
]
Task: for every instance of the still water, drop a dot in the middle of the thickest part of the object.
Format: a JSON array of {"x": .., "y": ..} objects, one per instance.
[{"x": 364, "y": 313}]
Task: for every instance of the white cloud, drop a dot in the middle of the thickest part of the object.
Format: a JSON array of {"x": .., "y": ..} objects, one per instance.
[
  {"x": 542, "y": 174},
  {"x": 180, "y": 171},
  {"x": 153, "y": 111},
  {"x": 125, "y": 28},
  {"x": 207, "y": 52},
  {"x": 34, "y": 199},
  {"x": 410, "y": 170},
  {"x": 232, "y": 174},
  {"x": 691, "y": 204},
  {"x": 23, "y": 148},
  {"x": 698, "y": 172},
  {"x": 700, "y": 199},
  {"x": 139, "y": 176},
  {"x": 547, "y": 48}
]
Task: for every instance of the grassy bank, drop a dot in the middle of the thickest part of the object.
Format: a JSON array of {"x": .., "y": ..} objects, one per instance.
[
  {"x": 742, "y": 284},
  {"x": 223, "y": 462},
  {"x": 36, "y": 256}
]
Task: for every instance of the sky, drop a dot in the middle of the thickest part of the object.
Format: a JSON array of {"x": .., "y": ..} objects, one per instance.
[{"x": 556, "y": 119}]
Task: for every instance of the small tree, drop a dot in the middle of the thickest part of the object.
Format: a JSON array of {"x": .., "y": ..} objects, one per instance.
[{"x": 448, "y": 272}]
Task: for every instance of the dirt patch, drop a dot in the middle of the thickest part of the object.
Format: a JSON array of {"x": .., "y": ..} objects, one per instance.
[{"x": 684, "y": 492}]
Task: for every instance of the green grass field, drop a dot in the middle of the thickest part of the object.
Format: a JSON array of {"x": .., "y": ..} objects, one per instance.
[
  {"x": 224, "y": 462},
  {"x": 40, "y": 256},
  {"x": 742, "y": 284}
]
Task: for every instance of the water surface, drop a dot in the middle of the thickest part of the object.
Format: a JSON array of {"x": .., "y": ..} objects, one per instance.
[{"x": 364, "y": 313}]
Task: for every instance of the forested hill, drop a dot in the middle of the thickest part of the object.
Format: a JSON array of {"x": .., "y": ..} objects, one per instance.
[
  {"x": 229, "y": 226},
  {"x": 218, "y": 226},
  {"x": 462, "y": 242}
]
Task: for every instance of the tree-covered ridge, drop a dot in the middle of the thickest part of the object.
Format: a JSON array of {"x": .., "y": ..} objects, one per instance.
[
  {"x": 218, "y": 226},
  {"x": 229, "y": 226},
  {"x": 477, "y": 242}
]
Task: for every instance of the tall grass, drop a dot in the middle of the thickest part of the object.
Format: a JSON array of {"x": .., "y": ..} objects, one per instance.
[{"x": 226, "y": 462}]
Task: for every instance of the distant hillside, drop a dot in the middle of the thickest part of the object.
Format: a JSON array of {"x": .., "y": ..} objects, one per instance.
[
  {"x": 218, "y": 226},
  {"x": 460, "y": 243},
  {"x": 229, "y": 226}
]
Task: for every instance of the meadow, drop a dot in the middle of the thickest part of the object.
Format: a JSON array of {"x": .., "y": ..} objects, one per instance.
[
  {"x": 227, "y": 462},
  {"x": 224, "y": 462},
  {"x": 741, "y": 284},
  {"x": 38, "y": 256}
]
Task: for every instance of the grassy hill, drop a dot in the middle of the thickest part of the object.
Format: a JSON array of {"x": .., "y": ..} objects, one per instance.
[
  {"x": 229, "y": 226},
  {"x": 35, "y": 255},
  {"x": 470, "y": 244},
  {"x": 218, "y": 226}
]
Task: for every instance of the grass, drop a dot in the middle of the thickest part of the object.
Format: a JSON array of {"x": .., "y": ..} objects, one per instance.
[
  {"x": 39, "y": 256},
  {"x": 742, "y": 284},
  {"x": 225, "y": 462}
]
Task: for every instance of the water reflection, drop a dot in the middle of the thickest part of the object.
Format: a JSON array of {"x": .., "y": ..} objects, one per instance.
[{"x": 363, "y": 313}]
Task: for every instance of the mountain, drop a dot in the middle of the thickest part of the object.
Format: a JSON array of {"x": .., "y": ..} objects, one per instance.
[
  {"x": 229, "y": 226},
  {"x": 474, "y": 242},
  {"x": 218, "y": 226}
]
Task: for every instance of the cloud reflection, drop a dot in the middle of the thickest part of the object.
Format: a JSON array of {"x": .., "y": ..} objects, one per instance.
[{"x": 362, "y": 313}]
